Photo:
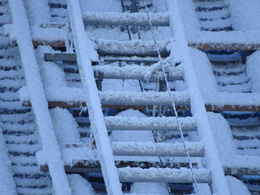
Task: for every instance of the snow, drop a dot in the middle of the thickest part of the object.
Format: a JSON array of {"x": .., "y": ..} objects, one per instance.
[
  {"x": 133, "y": 122},
  {"x": 86, "y": 53},
  {"x": 65, "y": 127},
  {"x": 205, "y": 76},
  {"x": 245, "y": 15},
  {"x": 167, "y": 175},
  {"x": 147, "y": 188},
  {"x": 227, "y": 37},
  {"x": 223, "y": 136},
  {"x": 100, "y": 6},
  {"x": 189, "y": 17},
  {"x": 7, "y": 185},
  {"x": 36, "y": 92},
  {"x": 237, "y": 187},
  {"x": 253, "y": 70},
  {"x": 52, "y": 75},
  {"x": 115, "y": 18},
  {"x": 80, "y": 186},
  {"x": 137, "y": 136},
  {"x": 197, "y": 105},
  {"x": 71, "y": 95},
  {"x": 38, "y": 12}
]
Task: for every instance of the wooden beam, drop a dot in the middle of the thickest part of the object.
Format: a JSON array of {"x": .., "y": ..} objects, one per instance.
[{"x": 84, "y": 166}]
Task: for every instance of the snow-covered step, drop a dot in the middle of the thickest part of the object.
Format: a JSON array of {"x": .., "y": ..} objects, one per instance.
[
  {"x": 150, "y": 123},
  {"x": 132, "y": 48},
  {"x": 195, "y": 149},
  {"x": 71, "y": 57},
  {"x": 157, "y": 149},
  {"x": 166, "y": 175},
  {"x": 74, "y": 97},
  {"x": 110, "y": 18},
  {"x": 225, "y": 40},
  {"x": 135, "y": 72}
]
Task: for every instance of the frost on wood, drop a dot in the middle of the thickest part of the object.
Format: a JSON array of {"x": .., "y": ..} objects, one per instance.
[
  {"x": 113, "y": 18},
  {"x": 149, "y": 123},
  {"x": 182, "y": 175},
  {"x": 39, "y": 102},
  {"x": 72, "y": 95}
]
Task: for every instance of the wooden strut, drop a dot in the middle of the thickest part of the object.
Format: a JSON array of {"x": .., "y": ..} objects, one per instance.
[
  {"x": 39, "y": 103},
  {"x": 85, "y": 166},
  {"x": 205, "y": 46},
  {"x": 209, "y": 107}
]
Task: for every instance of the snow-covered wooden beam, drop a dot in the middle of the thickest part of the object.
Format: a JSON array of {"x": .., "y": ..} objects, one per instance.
[
  {"x": 166, "y": 175},
  {"x": 72, "y": 97},
  {"x": 157, "y": 149},
  {"x": 37, "y": 96},
  {"x": 115, "y": 18},
  {"x": 132, "y": 48},
  {"x": 71, "y": 57},
  {"x": 83, "y": 166},
  {"x": 85, "y": 55},
  {"x": 136, "y": 72},
  {"x": 225, "y": 40},
  {"x": 180, "y": 50},
  {"x": 195, "y": 149},
  {"x": 75, "y": 97},
  {"x": 150, "y": 123}
]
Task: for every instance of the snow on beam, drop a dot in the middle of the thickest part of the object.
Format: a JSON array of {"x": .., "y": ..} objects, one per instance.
[
  {"x": 180, "y": 50},
  {"x": 233, "y": 40},
  {"x": 86, "y": 54},
  {"x": 157, "y": 149},
  {"x": 38, "y": 99},
  {"x": 115, "y": 18},
  {"x": 137, "y": 72},
  {"x": 150, "y": 123},
  {"x": 131, "y": 48},
  {"x": 71, "y": 57},
  {"x": 166, "y": 175},
  {"x": 147, "y": 149},
  {"x": 233, "y": 101},
  {"x": 75, "y": 96}
]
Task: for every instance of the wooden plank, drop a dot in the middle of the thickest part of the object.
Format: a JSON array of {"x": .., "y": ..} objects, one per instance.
[
  {"x": 180, "y": 50},
  {"x": 85, "y": 54},
  {"x": 82, "y": 166},
  {"x": 115, "y": 18},
  {"x": 37, "y": 94}
]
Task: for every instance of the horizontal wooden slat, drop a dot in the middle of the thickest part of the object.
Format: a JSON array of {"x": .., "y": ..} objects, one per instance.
[
  {"x": 74, "y": 97},
  {"x": 115, "y": 18},
  {"x": 150, "y": 123},
  {"x": 166, "y": 175},
  {"x": 227, "y": 40},
  {"x": 222, "y": 101},
  {"x": 149, "y": 149}
]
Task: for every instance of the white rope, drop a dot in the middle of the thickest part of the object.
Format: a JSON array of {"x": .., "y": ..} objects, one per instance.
[{"x": 173, "y": 104}]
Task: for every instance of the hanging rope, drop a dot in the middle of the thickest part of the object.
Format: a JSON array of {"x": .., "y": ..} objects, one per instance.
[{"x": 168, "y": 90}]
